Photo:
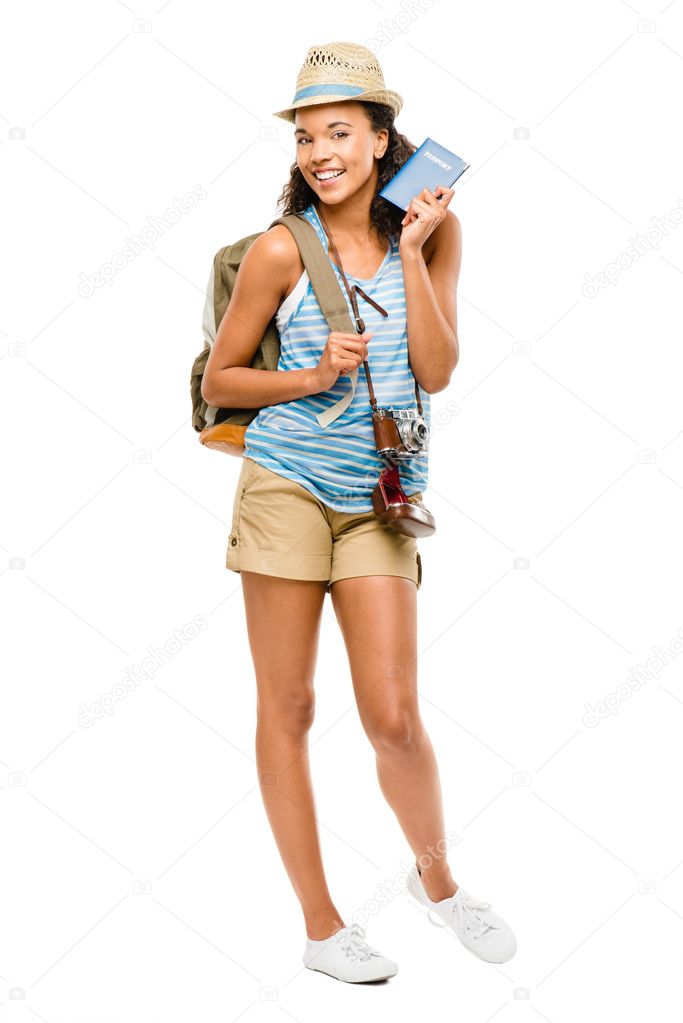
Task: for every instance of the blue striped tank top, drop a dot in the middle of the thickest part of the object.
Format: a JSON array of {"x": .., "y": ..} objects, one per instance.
[{"x": 339, "y": 463}]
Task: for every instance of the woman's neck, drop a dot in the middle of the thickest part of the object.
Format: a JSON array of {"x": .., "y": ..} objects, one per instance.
[{"x": 347, "y": 225}]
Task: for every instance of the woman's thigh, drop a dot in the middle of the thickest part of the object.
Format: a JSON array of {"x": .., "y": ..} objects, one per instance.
[
  {"x": 283, "y": 627},
  {"x": 377, "y": 615}
]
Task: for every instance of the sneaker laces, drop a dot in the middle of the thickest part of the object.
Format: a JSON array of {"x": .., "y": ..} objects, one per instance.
[
  {"x": 472, "y": 912},
  {"x": 353, "y": 944}
]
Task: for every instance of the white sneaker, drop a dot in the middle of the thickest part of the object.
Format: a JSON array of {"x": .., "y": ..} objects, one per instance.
[
  {"x": 347, "y": 956},
  {"x": 480, "y": 930}
]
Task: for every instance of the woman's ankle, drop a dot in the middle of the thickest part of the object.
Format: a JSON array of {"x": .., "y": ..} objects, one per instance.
[
  {"x": 320, "y": 926},
  {"x": 438, "y": 885}
]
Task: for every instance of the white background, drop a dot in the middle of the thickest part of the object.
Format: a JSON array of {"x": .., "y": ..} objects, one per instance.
[{"x": 140, "y": 879}]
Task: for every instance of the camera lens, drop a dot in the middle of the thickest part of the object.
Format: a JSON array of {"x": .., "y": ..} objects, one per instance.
[{"x": 418, "y": 432}]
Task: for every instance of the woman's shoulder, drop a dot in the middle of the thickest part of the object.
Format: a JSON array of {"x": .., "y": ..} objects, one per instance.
[
  {"x": 278, "y": 245},
  {"x": 278, "y": 250}
]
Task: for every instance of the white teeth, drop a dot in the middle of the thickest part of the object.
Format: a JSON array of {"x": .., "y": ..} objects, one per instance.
[{"x": 328, "y": 174}]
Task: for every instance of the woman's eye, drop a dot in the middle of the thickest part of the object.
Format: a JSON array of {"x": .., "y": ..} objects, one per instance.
[{"x": 344, "y": 133}]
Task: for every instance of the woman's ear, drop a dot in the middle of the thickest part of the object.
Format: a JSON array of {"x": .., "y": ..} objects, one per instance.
[{"x": 381, "y": 143}]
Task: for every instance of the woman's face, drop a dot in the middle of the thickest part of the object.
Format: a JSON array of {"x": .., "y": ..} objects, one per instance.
[{"x": 338, "y": 137}]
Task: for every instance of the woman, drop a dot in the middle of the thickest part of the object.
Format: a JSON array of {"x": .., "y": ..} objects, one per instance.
[{"x": 303, "y": 519}]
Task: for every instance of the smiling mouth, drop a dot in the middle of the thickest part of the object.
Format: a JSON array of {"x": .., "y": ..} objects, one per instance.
[{"x": 332, "y": 177}]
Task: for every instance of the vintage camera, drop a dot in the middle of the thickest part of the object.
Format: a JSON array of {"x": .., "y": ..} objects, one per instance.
[{"x": 399, "y": 433}]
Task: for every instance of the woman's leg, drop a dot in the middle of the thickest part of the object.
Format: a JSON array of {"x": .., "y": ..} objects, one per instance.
[
  {"x": 377, "y": 615},
  {"x": 283, "y": 625}
]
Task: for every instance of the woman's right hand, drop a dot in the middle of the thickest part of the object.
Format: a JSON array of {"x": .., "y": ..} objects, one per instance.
[{"x": 342, "y": 354}]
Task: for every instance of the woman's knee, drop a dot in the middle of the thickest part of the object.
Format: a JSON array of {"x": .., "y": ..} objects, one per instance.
[
  {"x": 397, "y": 731},
  {"x": 290, "y": 708}
]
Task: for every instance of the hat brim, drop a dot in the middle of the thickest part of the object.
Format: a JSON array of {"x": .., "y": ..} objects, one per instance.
[{"x": 386, "y": 96}]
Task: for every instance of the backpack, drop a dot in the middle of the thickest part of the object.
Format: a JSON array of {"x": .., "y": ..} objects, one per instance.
[{"x": 224, "y": 428}]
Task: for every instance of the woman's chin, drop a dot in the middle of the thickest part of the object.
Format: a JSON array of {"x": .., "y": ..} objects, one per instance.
[{"x": 334, "y": 196}]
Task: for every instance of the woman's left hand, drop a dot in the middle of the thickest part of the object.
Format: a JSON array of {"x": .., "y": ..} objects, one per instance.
[{"x": 423, "y": 215}]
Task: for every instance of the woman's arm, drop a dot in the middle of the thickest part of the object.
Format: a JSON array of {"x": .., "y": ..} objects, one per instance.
[
  {"x": 260, "y": 285},
  {"x": 431, "y": 307}
]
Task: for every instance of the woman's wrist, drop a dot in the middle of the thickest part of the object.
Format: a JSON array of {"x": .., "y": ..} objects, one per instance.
[{"x": 410, "y": 255}]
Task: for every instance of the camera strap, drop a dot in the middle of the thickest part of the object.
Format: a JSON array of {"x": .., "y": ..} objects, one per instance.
[
  {"x": 360, "y": 324},
  {"x": 389, "y": 502}
]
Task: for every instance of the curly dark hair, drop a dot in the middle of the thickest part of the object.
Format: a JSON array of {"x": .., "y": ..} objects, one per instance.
[{"x": 297, "y": 194}]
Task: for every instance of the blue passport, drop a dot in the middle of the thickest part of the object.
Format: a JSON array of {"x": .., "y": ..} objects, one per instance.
[{"x": 429, "y": 166}]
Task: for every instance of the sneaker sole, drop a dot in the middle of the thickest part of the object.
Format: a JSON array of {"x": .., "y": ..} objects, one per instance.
[
  {"x": 351, "y": 980},
  {"x": 487, "y": 959}
]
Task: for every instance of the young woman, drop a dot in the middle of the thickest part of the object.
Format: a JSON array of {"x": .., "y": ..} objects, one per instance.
[{"x": 303, "y": 521}]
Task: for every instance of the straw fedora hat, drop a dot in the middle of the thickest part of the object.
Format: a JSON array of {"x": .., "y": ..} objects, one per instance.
[{"x": 335, "y": 72}]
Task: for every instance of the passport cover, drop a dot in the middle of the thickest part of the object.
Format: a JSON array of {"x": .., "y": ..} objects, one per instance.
[{"x": 429, "y": 166}]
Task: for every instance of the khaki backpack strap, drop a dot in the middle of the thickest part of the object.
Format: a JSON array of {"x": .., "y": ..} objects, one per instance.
[{"x": 331, "y": 298}]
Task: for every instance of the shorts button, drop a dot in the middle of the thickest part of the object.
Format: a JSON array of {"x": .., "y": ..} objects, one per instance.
[{"x": 234, "y": 541}]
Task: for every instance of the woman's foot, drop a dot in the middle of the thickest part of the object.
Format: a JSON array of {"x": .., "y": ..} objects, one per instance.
[
  {"x": 481, "y": 931},
  {"x": 346, "y": 956}
]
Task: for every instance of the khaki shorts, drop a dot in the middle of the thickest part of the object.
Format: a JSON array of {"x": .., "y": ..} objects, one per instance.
[{"x": 280, "y": 528}]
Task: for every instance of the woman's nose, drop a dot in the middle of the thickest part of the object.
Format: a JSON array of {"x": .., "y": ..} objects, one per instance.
[{"x": 319, "y": 155}]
